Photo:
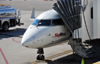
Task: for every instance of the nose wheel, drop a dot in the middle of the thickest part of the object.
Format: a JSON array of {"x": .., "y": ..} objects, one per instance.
[{"x": 40, "y": 56}]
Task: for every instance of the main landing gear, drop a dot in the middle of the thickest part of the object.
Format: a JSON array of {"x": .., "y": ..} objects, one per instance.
[{"x": 40, "y": 56}]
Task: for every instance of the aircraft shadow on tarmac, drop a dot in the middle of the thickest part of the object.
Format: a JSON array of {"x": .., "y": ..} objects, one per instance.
[{"x": 12, "y": 33}]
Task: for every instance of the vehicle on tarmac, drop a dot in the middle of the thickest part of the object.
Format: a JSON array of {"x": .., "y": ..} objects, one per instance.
[{"x": 9, "y": 17}]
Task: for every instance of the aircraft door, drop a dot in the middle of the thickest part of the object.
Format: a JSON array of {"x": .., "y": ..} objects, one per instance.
[{"x": 60, "y": 32}]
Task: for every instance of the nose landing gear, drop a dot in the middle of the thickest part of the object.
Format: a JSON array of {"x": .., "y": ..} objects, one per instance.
[{"x": 40, "y": 56}]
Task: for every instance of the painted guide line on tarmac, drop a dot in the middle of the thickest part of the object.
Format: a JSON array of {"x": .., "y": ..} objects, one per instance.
[
  {"x": 13, "y": 39},
  {"x": 4, "y": 56},
  {"x": 51, "y": 57}
]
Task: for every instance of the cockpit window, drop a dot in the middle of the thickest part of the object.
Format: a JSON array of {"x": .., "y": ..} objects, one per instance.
[
  {"x": 57, "y": 22},
  {"x": 44, "y": 23},
  {"x": 35, "y": 22}
]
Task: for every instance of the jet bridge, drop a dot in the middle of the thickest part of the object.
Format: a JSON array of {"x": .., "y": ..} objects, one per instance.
[
  {"x": 69, "y": 11},
  {"x": 78, "y": 17}
]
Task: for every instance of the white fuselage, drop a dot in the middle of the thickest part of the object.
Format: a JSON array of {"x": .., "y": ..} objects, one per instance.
[{"x": 46, "y": 30}]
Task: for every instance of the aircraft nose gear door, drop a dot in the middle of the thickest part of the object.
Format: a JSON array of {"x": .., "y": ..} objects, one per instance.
[{"x": 79, "y": 48}]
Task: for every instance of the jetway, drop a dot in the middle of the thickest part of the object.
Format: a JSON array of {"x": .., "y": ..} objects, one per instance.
[
  {"x": 69, "y": 11},
  {"x": 82, "y": 19},
  {"x": 76, "y": 12}
]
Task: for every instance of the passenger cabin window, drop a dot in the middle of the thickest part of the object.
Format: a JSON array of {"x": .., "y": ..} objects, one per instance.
[
  {"x": 44, "y": 23},
  {"x": 57, "y": 22}
]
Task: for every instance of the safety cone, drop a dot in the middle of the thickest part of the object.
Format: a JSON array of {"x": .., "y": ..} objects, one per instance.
[{"x": 82, "y": 62}]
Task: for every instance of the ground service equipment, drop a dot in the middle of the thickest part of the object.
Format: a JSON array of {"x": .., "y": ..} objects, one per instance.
[{"x": 9, "y": 17}]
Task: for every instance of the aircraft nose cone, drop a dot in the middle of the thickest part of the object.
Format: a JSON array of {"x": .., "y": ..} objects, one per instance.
[
  {"x": 29, "y": 36},
  {"x": 24, "y": 43},
  {"x": 27, "y": 41}
]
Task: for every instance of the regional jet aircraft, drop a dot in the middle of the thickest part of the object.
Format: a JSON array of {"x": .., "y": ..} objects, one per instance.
[{"x": 46, "y": 30}]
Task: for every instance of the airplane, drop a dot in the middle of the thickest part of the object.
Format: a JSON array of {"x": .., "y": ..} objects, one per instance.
[{"x": 47, "y": 30}]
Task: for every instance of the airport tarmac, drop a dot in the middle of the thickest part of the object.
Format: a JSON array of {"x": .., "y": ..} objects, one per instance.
[
  {"x": 11, "y": 51},
  {"x": 40, "y": 5}
]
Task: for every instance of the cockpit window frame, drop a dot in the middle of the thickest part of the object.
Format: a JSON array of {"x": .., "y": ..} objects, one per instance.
[
  {"x": 37, "y": 22},
  {"x": 51, "y": 22}
]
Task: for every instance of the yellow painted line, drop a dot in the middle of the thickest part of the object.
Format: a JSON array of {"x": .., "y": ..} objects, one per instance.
[
  {"x": 96, "y": 63},
  {"x": 62, "y": 50},
  {"x": 54, "y": 56},
  {"x": 68, "y": 54},
  {"x": 38, "y": 61},
  {"x": 59, "y": 54}
]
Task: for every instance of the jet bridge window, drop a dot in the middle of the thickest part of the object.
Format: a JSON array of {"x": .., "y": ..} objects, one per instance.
[
  {"x": 44, "y": 23},
  {"x": 57, "y": 22}
]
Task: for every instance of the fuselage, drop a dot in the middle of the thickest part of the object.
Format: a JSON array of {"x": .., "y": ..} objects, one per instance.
[{"x": 46, "y": 30}]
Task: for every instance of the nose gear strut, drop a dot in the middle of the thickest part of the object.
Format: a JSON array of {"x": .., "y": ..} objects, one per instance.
[{"x": 40, "y": 56}]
